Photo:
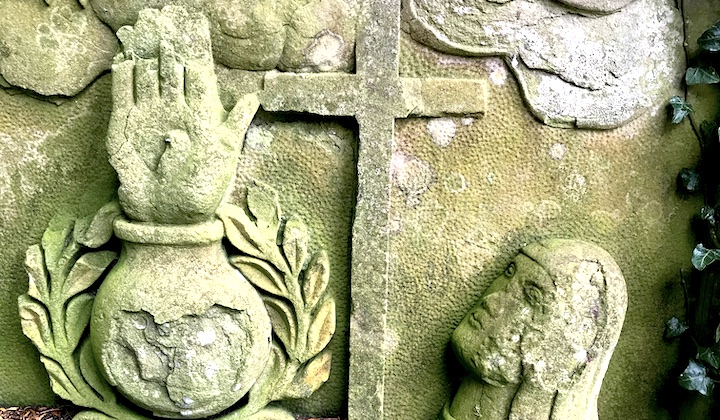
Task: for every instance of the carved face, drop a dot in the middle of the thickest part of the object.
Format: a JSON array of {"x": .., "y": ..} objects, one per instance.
[{"x": 488, "y": 340}]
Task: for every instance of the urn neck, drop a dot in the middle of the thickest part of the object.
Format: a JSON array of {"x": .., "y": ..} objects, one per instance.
[{"x": 157, "y": 234}]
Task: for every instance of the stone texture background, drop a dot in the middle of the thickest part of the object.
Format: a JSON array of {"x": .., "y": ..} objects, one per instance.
[
  {"x": 468, "y": 193},
  {"x": 52, "y": 159}
]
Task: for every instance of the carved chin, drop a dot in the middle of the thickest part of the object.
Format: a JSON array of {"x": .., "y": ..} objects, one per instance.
[{"x": 497, "y": 369}]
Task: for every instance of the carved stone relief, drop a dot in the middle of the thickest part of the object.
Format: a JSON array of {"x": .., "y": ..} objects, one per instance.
[
  {"x": 538, "y": 342},
  {"x": 177, "y": 327},
  {"x": 57, "y": 47},
  {"x": 573, "y": 71},
  {"x": 193, "y": 275}
]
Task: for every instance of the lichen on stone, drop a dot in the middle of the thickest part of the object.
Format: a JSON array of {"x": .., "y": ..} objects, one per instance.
[{"x": 179, "y": 368}]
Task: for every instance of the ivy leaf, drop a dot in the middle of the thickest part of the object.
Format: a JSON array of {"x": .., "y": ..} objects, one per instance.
[
  {"x": 322, "y": 328},
  {"x": 695, "y": 378},
  {"x": 701, "y": 75},
  {"x": 709, "y": 355},
  {"x": 708, "y": 213},
  {"x": 688, "y": 180},
  {"x": 680, "y": 109},
  {"x": 702, "y": 257},
  {"x": 674, "y": 328},
  {"x": 710, "y": 39}
]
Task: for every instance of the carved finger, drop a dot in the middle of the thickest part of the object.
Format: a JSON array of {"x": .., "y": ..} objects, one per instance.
[
  {"x": 201, "y": 92},
  {"x": 172, "y": 73},
  {"x": 122, "y": 86},
  {"x": 147, "y": 83}
]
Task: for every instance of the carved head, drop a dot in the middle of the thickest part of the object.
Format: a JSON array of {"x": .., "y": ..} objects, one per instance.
[{"x": 551, "y": 320}]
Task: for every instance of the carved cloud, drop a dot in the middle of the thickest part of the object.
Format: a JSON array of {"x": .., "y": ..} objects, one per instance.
[{"x": 584, "y": 63}]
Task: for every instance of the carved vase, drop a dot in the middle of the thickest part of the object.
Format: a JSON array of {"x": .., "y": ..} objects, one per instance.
[{"x": 175, "y": 327}]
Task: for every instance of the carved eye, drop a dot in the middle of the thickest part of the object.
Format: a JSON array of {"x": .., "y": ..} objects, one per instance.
[
  {"x": 510, "y": 270},
  {"x": 534, "y": 294}
]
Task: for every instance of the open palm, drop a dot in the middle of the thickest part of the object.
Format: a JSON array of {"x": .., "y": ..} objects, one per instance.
[{"x": 170, "y": 140}]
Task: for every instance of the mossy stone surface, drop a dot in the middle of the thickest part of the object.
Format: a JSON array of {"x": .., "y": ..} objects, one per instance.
[
  {"x": 491, "y": 185},
  {"x": 57, "y": 158},
  {"x": 53, "y": 159},
  {"x": 311, "y": 163},
  {"x": 53, "y": 47},
  {"x": 175, "y": 327},
  {"x": 579, "y": 63}
]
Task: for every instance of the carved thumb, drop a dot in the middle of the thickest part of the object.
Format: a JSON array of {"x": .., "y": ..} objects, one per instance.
[{"x": 239, "y": 119}]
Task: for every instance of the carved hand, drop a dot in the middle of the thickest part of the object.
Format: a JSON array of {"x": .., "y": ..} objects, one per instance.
[{"x": 170, "y": 140}]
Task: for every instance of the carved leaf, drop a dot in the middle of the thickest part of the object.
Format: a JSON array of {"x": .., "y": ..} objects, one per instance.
[
  {"x": 317, "y": 277},
  {"x": 284, "y": 324},
  {"x": 96, "y": 229},
  {"x": 263, "y": 203},
  {"x": 260, "y": 274},
  {"x": 267, "y": 382},
  {"x": 295, "y": 241},
  {"x": 86, "y": 271},
  {"x": 36, "y": 324},
  {"x": 315, "y": 373},
  {"x": 322, "y": 328},
  {"x": 59, "y": 381},
  {"x": 59, "y": 246},
  {"x": 240, "y": 230},
  {"x": 91, "y": 373},
  {"x": 77, "y": 317},
  {"x": 39, "y": 287}
]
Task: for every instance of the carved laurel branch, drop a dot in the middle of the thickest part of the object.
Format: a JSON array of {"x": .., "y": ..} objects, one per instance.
[
  {"x": 56, "y": 311},
  {"x": 274, "y": 258}
]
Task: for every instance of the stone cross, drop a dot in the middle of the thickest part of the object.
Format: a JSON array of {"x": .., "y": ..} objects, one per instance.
[{"x": 375, "y": 95}]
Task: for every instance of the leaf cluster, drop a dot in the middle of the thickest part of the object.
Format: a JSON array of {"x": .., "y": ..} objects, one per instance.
[
  {"x": 56, "y": 310},
  {"x": 702, "y": 370},
  {"x": 273, "y": 255},
  {"x": 702, "y": 72},
  {"x": 705, "y": 71}
]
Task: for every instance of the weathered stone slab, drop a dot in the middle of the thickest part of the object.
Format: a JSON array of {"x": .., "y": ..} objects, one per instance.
[
  {"x": 504, "y": 180},
  {"x": 421, "y": 173}
]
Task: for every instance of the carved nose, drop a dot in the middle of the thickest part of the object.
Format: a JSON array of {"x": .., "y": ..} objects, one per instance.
[{"x": 493, "y": 305}]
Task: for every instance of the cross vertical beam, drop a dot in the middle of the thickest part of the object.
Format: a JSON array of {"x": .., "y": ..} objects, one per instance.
[
  {"x": 377, "y": 55},
  {"x": 375, "y": 95}
]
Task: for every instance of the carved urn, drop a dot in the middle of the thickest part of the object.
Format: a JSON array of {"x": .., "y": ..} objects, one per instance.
[{"x": 175, "y": 327}]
